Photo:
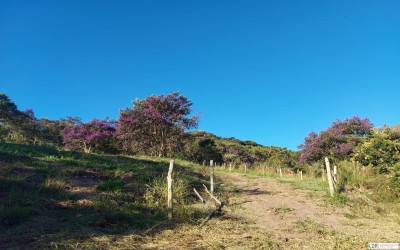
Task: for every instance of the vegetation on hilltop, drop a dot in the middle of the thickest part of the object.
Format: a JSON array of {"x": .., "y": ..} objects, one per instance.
[
  {"x": 230, "y": 150},
  {"x": 160, "y": 125},
  {"x": 155, "y": 126},
  {"x": 70, "y": 184},
  {"x": 367, "y": 157}
]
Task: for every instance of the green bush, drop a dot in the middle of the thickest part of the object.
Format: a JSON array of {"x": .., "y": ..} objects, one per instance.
[{"x": 380, "y": 152}]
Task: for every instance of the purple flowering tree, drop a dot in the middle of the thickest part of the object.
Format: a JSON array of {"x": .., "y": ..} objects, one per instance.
[
  {"x": 88, "y": 136},
  {"x": 156, "y": 125},
  {"x": 337, "y": 142}
]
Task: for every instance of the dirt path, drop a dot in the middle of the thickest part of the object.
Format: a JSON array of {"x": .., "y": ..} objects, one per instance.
[{"x": 290, "y": 214}]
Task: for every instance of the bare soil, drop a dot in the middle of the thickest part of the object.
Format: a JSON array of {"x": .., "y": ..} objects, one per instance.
[{"x": 290, "y": 214}]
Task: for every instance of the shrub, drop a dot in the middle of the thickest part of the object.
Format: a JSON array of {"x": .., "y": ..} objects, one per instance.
[{"x": 380, "y": 152}]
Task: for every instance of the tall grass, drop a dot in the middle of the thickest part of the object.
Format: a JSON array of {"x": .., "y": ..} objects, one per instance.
[
  {"x": 53, "y": 186},
  {"x": 156, "y": 196},
  {"x": 380, "y": 187}
]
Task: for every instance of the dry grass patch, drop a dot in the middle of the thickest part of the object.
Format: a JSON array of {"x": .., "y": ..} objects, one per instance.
[
  {"x": 320, "y": 237},
  {"x": 222, "y": 233}
]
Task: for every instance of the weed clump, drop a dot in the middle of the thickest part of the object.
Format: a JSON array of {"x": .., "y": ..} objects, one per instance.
[
  {"x": 53, "y": 186},
  {"x": 112, "y": 185},
  {"x": 156, "y": 197}
]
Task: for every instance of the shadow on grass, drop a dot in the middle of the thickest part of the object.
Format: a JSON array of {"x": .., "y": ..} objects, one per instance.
[{"x": 39, "y": 206}]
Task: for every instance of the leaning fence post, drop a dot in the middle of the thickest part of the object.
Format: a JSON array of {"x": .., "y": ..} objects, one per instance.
[
  {"x": 169, "y": 178},
  {"x": 329, "y": 176},
  {"x": 212, "y": 176}
]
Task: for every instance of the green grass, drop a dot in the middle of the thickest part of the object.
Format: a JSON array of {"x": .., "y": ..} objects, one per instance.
[
  {"x": 315, "y": 185},
  {"x": 283, "y": 209},
  {"x": 112, "y": 186},
  {"x": 309, "y": 225},
  {"x": 59, "y": 199},
  {"x": 53, "y": 185},
  {"x": 13, "y": 215},
  {"x": 338, "y": 199},
  {"x": 52, "y": 196}
]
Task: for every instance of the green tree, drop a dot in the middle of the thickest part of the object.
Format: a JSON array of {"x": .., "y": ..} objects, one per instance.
[{"x": 17, "y": 126}]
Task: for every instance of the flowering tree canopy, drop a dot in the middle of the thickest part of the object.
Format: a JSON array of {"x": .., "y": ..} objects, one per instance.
[
  {"x": 87, "y": 136},
  {"x": 337, "y": 142},
  {"x": 155, "y": 125}
]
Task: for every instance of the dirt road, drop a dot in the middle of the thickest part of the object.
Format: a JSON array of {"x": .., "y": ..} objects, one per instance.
[{"x": 302, "y": 217}]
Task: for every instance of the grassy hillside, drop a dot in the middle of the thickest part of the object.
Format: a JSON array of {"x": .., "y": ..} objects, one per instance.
[
  {"x": 237, "y": 152},
  {"x": 48, "y": 197},
  {"x": 71, "y": 200}
]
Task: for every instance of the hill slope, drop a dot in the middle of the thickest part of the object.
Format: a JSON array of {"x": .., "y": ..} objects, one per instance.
[
  {"x": 58, "y": 199},
  {"x": 230, "y": 150},
  {"x": 49, "y": 196}
]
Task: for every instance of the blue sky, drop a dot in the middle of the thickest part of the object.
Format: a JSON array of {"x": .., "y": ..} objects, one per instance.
[{"x": 267, "y": 71}]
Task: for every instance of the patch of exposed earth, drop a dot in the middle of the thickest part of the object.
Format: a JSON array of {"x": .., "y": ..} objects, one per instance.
[{"x": 287, "y": 213}]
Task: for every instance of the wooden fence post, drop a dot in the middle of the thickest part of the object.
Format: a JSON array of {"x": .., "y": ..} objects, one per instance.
[
  {"x": 169, "y": 178},
  {"x": 301, "y": 174},
  {"x": 280, "y": 172},
  {"x": 245, "y": 168},
  {"x": 263, "y": 169},
  {"x": 211, "y": 176},
  {"x": 329, "y": 176}
]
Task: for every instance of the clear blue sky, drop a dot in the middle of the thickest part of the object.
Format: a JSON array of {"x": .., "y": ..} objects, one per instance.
[{"x": 267, "y": 71}]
